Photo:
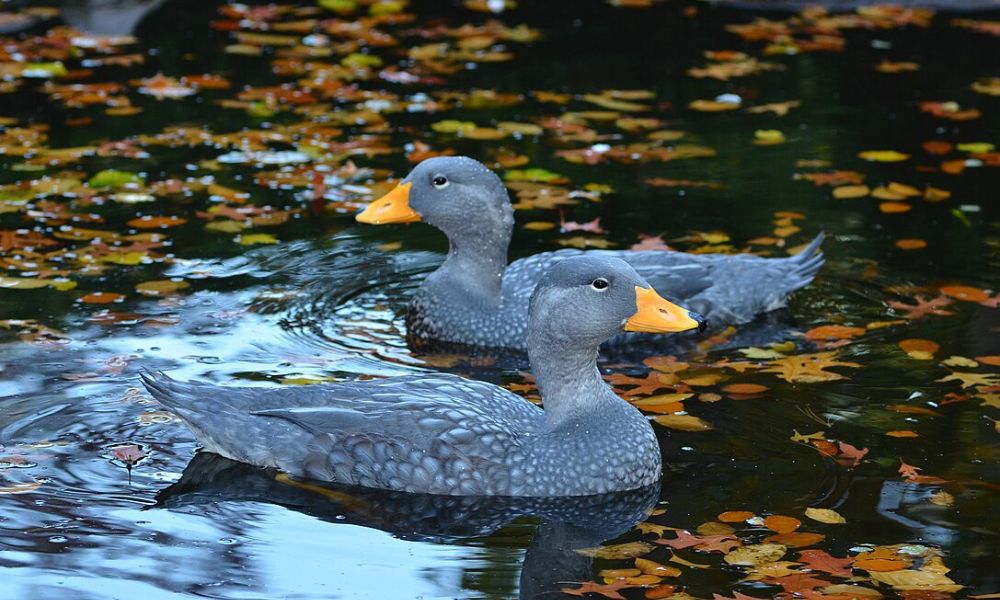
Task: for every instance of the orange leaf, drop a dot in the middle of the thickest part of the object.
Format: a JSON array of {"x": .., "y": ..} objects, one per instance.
[
  {"x": 918, "y": 345},
  {"x": 880, "y": 564},
  {"x": 833, "y": 332},
  {"x": 782, "y": 524},
  {"x": 913, "y": 410},
  {"x": 151, "y": 222},
  {"x": 902, "y": 433},
  {"x": 937, "y": 147},
  {"x": 894, "y": 207},
  {"x": 966, "y": 293},
  {"x": 735, "y": 516},
  {"x": 993, "y": 360},
  {"x": 745, "y": 388},
  {"x": 911, "y": 244},
  {"x": 102, "y": 298}
]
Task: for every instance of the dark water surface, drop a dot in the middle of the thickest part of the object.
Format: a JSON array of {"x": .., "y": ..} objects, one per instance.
[{"x": 325, "y": 301}]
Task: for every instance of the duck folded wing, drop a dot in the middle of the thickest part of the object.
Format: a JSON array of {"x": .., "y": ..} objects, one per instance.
[{"x": 422, "y": 433}]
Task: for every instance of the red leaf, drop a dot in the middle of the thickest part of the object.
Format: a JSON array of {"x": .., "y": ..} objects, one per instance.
[
  {"x": 590, "y": 226},
  {"x": 128, "y": 454},
  {"x": 852, "y": 454},
  {"x": 820, "y": 560}
]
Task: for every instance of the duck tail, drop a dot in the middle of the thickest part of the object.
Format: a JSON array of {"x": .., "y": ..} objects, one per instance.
[
  {"x": 807, "y": 263},
  {"x": 177, "y": 396}
]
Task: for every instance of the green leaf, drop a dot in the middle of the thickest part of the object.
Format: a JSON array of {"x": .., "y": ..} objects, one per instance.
[{"x": 110, "y": 178}]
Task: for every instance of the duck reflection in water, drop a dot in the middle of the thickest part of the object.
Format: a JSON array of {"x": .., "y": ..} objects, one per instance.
[{"x": 550, "y": 561}]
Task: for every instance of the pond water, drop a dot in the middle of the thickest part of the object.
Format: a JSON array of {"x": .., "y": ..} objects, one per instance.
[{"x": 183, "y": 200}]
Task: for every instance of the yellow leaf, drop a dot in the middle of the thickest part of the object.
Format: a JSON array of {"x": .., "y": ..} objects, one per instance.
[
  {"x": 163, "y": 287},
  {"x": 755, "y": 554},
  {"x": 825, "y": 515},
  {"x": 851, "y": 191},
  {"x": 909, "y": 579},
  {"x": 256, "y": 238},
  {"x": 883, "y": 156},
  {"x": 683, "y": 422}
]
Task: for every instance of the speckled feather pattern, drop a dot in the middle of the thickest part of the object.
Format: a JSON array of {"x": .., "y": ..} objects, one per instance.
[{"x": 437, "y": 434}]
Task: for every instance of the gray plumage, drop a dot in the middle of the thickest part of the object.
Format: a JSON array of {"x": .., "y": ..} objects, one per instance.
[
  {"x": 476, "y": 298},
  {"x": 442, "y": 434}
]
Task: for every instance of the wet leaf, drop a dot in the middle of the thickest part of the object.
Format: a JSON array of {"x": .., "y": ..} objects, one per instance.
[
  {"x": 820, "y": 560},
  {"x": 904, "y": 433},
  {"x": 651, "y": 567},
  {"x": 617, "y": 551},
  {"x": 102, "y": 298},
  {"x": 883, "y": 156},
  {"x": 782, "y": 523},
  {"x": 683, "y": 422},
  {"x": 755, "y": 555},
  {"x": 735, "y": 516},
  {"x": 964, "y": 293},
  {"x": 825, "y": 515},
  {"x": 909, "y": 579},
  {"x": 834, "y": 332},
  {"x": 808, "y": 368},
  {"x": 796, "y": 539},
  {"x": 163, "y": 287}
]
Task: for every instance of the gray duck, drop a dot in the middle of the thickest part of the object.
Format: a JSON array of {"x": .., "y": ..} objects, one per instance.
[
  {"x": 443, "y": 434},
  {"x": 476, "y": 298}
]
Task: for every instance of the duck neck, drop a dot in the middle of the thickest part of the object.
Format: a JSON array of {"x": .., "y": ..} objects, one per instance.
[
  {"x": 567, "y": 378},
  {"x": 476, "y": 261}
]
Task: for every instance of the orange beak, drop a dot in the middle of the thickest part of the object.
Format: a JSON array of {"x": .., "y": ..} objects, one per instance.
[
  {"x": 655, "y": 314},
  {"x": 394, "y": 207}
]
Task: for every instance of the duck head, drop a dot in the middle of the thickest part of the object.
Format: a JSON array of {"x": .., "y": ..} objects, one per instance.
[
  {"x": 586, "y": 300},
  {"x": 458, "y": 195}
]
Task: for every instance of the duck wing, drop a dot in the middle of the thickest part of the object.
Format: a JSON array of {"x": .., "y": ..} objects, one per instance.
[{"x": 437, "y": 434}]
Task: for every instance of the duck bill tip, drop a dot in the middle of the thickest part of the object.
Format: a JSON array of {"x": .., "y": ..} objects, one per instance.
[
  {"x": 394, "y": 207},
  {"x": 656, "y": 314}
]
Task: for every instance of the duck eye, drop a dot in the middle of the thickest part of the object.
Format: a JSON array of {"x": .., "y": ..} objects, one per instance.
[
  {"x": 600, "y": 284},
  {"x": 440, "y": 181}
]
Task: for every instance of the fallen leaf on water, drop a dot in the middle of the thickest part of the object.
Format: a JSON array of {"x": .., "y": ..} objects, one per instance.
[
  {"x": 965, "y": 293},
  {"x": 919, "y": 349},
  {"x": 883, "y": 156},
  {"x": 163, "y": 287},
  {"x": 250, "y": 239},
  {"x": 851, "y": 453},
  {"x": 970, "y": 379},
  {"x": 845, "y": 192},
  {"x": 894, "y": 207},
  {"x": 617, "y": 551},
  {"x": 912, "y": 474},
  {"x": 902, "y": 433},
  {"x": 735, "y": 516},
  {"x": 942, "y": 498},
  {"x": 909, "y": 579},
  {"x": 820, "y": 560},
  {"x": 782, "y": 523},
  {"x": 911, "y": 244},
  {"x": 825, "y": 515},
  {"x": 808, "y": 368},
  {"x": 923, "y": 307},
  {"x": 102, "y": 298},
  {"x": 683, "y": 422},
  {"x": 755, "y": 554},
  {"x": 745, "y": 389},
  {"x": 151, "y": 222},
  {"x": 651, "y": 567},
  {"x": 834, "y": 332},
  {"x": 993, "y": 360}
]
